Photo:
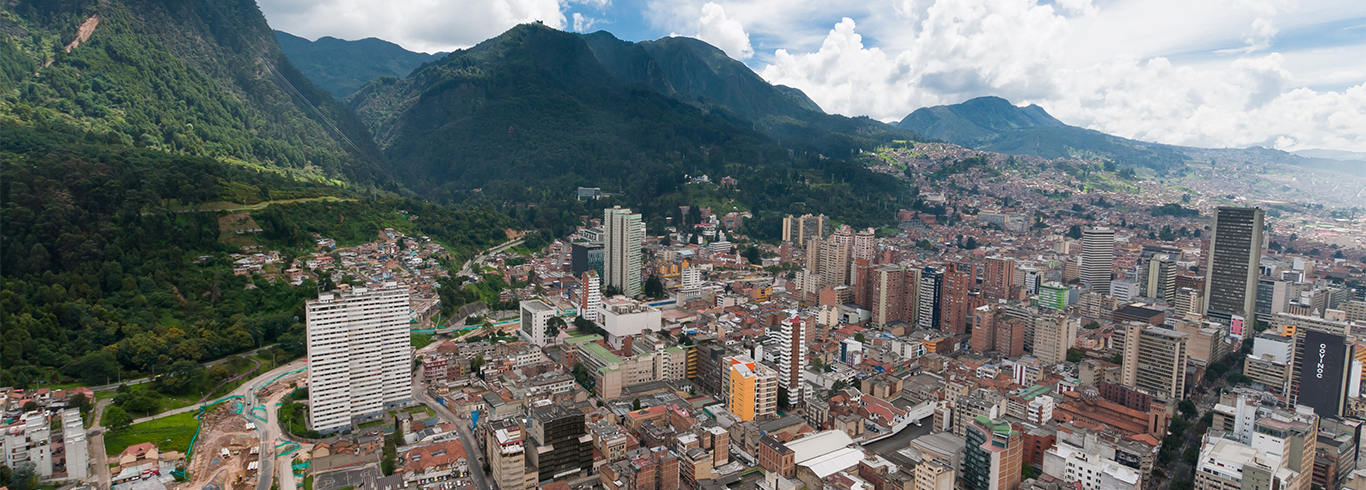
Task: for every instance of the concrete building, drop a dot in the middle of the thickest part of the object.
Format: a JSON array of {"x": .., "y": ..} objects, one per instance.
[
  {"x": 930, "y": 290},
  {"x": 1097, "y": 257},
  {"x": 560, "y": 445},
  {"x": 753, "y": 389},
  {"x": 1053, "y": 335},
  {"x": 1226, "y": 464},
  {"x": 1189, "y": 301},
  {"x": 1094, "y": 472},
  {"x": 998, "y": 277},
  {"x": 1161, "y": 282},
  {"x": 956, "y": 299},
  {"x": 359, "y": 354},
  {"x": 535, "y": 317},
  {"x": 624, "y": 317},
  {"x": 505, "y": 452},
  {"x": 591, "y": 295},
  {"x": 1234, "y": 260},
  {"x": 1155, "y": 361},
  {"x": 624, "y": 233},
  {"x": 800, "y": 230},
  {"x": 993, "y": 455}
]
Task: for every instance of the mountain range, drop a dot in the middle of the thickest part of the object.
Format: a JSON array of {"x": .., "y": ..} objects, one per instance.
[
  {"x": 994, "y": 124},
  {"x": 341, "y": 67}
]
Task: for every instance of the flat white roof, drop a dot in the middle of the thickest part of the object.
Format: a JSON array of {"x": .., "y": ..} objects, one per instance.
[{"x": 818, "y": 444}]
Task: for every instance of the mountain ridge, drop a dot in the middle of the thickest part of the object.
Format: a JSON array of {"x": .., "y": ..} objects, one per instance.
[{"x": 342, "y": 67}]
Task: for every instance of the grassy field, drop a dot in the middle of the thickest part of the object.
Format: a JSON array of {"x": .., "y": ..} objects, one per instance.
[
  {"x": 421, "y": 340},
  {"x": 171, "y": 433}
]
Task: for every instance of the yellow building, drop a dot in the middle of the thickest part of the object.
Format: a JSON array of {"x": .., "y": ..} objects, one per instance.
[{"x": 753, "y": 389}]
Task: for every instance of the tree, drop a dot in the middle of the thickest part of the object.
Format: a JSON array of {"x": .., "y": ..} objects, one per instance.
[
  {"x": 1117, "y": 359},
  {"x": 654, "y": 288},
  {"x": 1187, "y": 409},
  {"x": 477, "y": 363},
  {"x": 970, "y": 243},
  {"x": 554, "y": 326},
  {"x": 610, "y": 290},
  {"x": 30, "y": 406},
  {"x": 859, "y": 337},
  {"x": 79, "y": 401},
  {"x": 1074, "y": 232},
  {"x": 24, "y": 477},
  {"x": 1075, "y": 355},
  {"x": 116, "y": 418},
  {"x": 635, "y": 404},
  {"x": 1026, "y": 471},
  {"x": 752, "y": 255},
  {"x": 783, "y": 398}
]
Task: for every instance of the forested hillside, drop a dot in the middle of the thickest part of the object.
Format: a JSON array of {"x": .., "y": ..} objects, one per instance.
[
  {"x": 532, "y": 114},
  {"x": 101, "y": 277},
  {"x": 341, "y": 67},
  {"x": 197, "y": 77}
]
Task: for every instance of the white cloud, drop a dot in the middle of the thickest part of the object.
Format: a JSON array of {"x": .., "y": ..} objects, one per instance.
[
  {"x": 583, "y": 23},
  {"x": 419, "y": 25},
  {"x": 723, "y": 32},
  {"x": 1026, "y": 52}
]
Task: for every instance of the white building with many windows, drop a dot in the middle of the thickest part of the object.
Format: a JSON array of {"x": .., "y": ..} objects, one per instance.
[{"x": 359, "y": 354}]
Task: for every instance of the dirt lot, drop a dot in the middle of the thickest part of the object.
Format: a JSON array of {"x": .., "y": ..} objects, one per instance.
[
  {"x": 230, "y": 224},
  {"x": 210, "y": 469}
]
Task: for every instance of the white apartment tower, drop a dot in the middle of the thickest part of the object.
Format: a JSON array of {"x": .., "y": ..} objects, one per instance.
[
  {"x": 536, "y": 315},
  {"x": 1097, "y": 257},
  {"x": 592, "y": 296},
  {"x": 624, "y": 232},
  {"x": 691, "y": 287},
  {"x": 359, "y": 354},
  {"x": 792, "y": 357}
]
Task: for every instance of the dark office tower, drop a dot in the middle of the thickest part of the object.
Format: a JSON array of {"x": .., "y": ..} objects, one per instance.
[
  {"x": 931, "y": 287},
  {"x": 1097, "y": 258},
  {"x": 1235, "y": 251},
  {"x": 563, "y": 445}
]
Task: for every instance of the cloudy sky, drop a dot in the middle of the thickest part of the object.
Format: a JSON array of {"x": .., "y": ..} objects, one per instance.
[{"x": 1212, "y": 73}]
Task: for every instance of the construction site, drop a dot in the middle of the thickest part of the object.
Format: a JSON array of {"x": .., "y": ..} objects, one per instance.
[{"x": 227, "y": 452}]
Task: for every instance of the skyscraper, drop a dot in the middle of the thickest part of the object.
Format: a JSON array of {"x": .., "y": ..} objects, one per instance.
[
  {"x": 993, "y": 455},
  {"x": 887, "y": 294},
  {"x": 625, "y": 233},
  {"x": 955, "y": 303},
  {"x": 800, "y": 230},
  {"x": 1053, "y": 335},
  {"x": 1235, "y": 253},
  {"x": 358, "y": 352},
  {"x": 1097, "y": 257},
  {"x": 931, "y": 286},
  {"x": 792, "y": 357},
  {"x": 1161, "y": 283}
]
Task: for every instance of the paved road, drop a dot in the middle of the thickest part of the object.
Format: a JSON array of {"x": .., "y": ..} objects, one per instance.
[
  {"x": 271, "y": 432},
  {"x": 476, "y": 457},
  {"x": 96, "y": 447}
]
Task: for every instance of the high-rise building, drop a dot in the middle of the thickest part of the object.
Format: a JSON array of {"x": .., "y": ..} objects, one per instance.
[
  {"x": 1234, "y": 257},
  {"x": 800, "y": 230},
  {"x": 1323, "y": 371},
  {"x": 931, "y": 287},
  {"x": 1097, "y": 257},
  {"x": 1010, "y": 337},
  {"x": 792, "y": 357},
  {"x": 625, "y": 232},
  {"x": 1188, "y": 301},
  {"x": 561, "y": 440},
  {"x": 998, "y": 277},
  {"x": 586, "y": 256},
  {"x": 591, "y": 297},
  {"x": 753, "y": 389},
  {"x": 536, "y": 315},
  {"x": 984, "y": 328},
  {"x": 865, "y": 244},
  {"x": 993, "y": 455},
  {"x": 1053, "y": 295},
  {"x": 359, "y": 354},
  {"x": 1154, "y": 360},
  {"x": 862, "y": 282},
  {"x": 834, "y": 267},
  {"x": 955, "y": 301},
  {"x": 888, "y": 294},
  {"x": 1053, "y": 335},
  {"x": 1161, "y": 283}
]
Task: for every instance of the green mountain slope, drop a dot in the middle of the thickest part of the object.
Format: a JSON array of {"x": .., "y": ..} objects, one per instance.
[
  {"x": 534, "y": 113},
  {"x": 993, "y": 124},
  {"x": 342, "y": 67},
  {"x": 197, "y": 77},
  {"x": 705, "y": 77}
]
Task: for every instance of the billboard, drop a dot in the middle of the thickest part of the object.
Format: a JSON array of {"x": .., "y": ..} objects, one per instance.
[
  {"x": 1322, "y": 372},
  {"x": 1237, "y": 325}
]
